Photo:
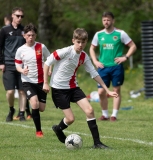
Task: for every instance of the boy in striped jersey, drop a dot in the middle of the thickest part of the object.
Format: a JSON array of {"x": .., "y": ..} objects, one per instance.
[
  {"x": 29, "y": 61},
  {"x": 65, "y": 88}
]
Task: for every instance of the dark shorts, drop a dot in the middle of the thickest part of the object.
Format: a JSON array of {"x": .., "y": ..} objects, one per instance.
[
  {"x": 12, "y": 78},
  {"x": 113, "y": 74},
  {"x": 32, "y": 89},
  {"x": 63, "y": 97}
]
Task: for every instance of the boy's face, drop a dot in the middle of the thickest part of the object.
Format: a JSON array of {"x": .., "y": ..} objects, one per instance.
[
  {"x": 79, "y": 45},
  {"x": 30, "y": 37}
]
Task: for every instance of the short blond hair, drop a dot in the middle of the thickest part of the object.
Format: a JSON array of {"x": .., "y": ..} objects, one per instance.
[{"x": 80, "y": 34}]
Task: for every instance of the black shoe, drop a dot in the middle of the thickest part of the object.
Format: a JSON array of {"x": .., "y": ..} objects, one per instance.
[
  {"x": 9, "y": 117},
  {"x": 22, "y": 118},
  {"x": 100, "y": 146},
  {"x": 61, "y": 136}
]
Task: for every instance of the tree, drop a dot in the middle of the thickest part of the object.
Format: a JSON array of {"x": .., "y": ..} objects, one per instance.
[{"x": 44, "y": 22}]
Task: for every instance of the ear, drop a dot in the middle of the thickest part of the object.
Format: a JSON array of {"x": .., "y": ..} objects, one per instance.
[
  {"x": 113, "y": 21},
  {"x": 73, "y": 40},
  {"x": 24, "y": 36}
]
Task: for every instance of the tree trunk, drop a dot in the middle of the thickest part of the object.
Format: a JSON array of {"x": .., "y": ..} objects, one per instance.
[{"x": 44, "y": 23}]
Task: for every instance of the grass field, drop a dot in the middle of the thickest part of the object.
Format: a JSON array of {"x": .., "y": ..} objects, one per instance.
[{"x": 130, "y": 137}]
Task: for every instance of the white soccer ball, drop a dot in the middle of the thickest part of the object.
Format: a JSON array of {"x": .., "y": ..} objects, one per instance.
[{"x": 73, "y": 141}]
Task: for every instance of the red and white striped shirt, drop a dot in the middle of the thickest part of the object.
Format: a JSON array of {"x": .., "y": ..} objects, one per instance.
[
  {"x": 66, "y": 63},
  {"x": 33, "y": 57}
]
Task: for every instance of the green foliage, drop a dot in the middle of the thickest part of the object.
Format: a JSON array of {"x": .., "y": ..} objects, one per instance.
[{"x": 67, "y": 15}]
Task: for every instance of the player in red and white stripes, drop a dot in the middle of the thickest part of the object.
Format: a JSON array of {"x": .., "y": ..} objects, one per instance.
[
  {"x": 29, "y": 61},
  {"x": 65, "y": 88}
]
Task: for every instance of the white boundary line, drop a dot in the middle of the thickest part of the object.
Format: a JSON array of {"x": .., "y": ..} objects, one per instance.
[{"x": 121, "y": 139}]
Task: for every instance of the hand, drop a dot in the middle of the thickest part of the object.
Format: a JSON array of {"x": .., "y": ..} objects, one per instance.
[
  {"x": 25, "y": 71},
  {"x": 112, "y": 94},
  {"x": 2, "y": 67},
  {"x": 46, "y": 88},
  {"x": 98, "y": 64},
  {"x": 120, "y": 60},
  {"x": 49, "y": 73}
]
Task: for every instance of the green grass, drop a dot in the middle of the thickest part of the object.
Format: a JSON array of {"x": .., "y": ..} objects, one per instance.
[{"x": 130, "y": 137}]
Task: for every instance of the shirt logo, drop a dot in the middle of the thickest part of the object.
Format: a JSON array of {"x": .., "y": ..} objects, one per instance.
[
  {"x": 10, "y": 33},
  {"x": 108, "y": 46},
  {"x": 80, "y": 62},
  {"x": 102, "y": 38},
  {"x": 38, "y": 52},
  {"x": 115, "y": 38}
]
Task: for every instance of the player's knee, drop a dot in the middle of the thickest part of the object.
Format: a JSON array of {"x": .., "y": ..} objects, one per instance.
[
  {"x": 41, "y": 109},
  {"x": 10, "y": 92},
  {"x": 102, "y": 94},
  {"x": 70, "y": 120},
  {"x": 90, "y": 112},
  {"x": 21, "y": 93}
]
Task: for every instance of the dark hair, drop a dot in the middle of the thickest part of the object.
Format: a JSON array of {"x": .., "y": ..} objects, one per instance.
[
  {"x": 8, "y": 17},
  {"x": 105, "y": 14},
  {"x": 30, "y": 27},
  {"x": 80, "y": 33},
  {"x": 17, "y": 9}
]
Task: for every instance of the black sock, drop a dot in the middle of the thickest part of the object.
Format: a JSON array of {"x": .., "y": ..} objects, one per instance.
[
  {"x": 18, "y": 115},
  {"x": 36, "y": 119},
  {"x": 62, "y": 125},
  {"x": 27, "y": 108},
  {"x": 21, "y": 113},
  {"x": 94, "y": 131},
  {"x": 12, "y": 109}
]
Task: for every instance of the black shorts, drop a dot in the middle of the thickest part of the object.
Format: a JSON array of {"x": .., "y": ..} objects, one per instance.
[
  {"x": 12, "y": 78},
  {"x": 32, "y": 89},
  {"x": 63, "y": 97}
]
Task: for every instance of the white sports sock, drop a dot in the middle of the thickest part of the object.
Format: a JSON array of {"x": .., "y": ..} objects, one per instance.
[
  {"x": 114, "y": 114},
  {"x": 105, "y": 113}
]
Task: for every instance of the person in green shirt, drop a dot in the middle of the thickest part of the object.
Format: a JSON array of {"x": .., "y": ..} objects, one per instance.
[{"x": 111, "y": 42}]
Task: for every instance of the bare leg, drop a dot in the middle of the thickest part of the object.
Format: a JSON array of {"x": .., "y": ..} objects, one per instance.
[
  {"x": 103, "y": 99},
  {"x": 10, "y": 97},
  {"x": 22, "y": 100},
  {"x": 116, "y": 101},
  {"x": 103, "y": 103},
  {"x": 91, "y": 121}
]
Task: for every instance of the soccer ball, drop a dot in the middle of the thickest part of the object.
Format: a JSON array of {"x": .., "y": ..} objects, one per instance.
[{"x": 73, "y": 141}]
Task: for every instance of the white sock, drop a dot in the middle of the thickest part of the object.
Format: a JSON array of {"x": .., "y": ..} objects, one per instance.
[
  {"x": 114, "y": 114},
  {"x": 105, "y": 113}
]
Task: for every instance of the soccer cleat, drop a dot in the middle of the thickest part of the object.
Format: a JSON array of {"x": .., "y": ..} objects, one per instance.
[
  {"x": 22, "y": 118},
  {"x": 103, "y": 118},
  {"x": 100, "y": 146},
  {"x": 59, "y": 133},
  {"x": 9, "y": 117},
  {"x": 39, "y": 134},
  {"x": 29, "y": 116},
  {"x": 16, "y": 118},
  {"x": 113, "y": 119}
]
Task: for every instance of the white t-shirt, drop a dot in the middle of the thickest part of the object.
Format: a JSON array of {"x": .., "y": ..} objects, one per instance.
[
  {"x": 33, "y": 57},
  {"x": 66, "y": 63}
]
